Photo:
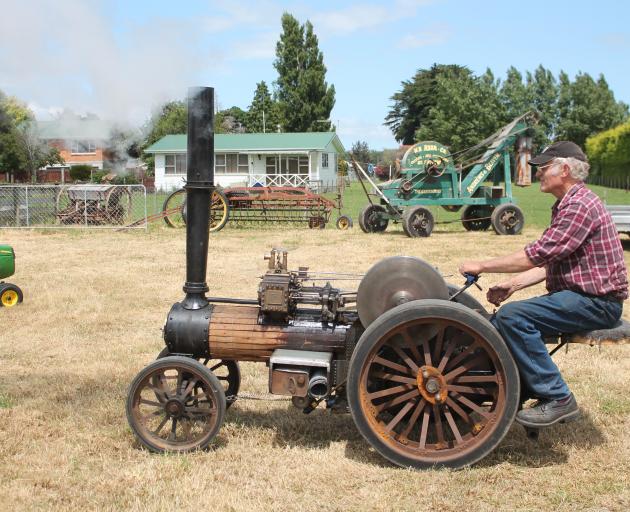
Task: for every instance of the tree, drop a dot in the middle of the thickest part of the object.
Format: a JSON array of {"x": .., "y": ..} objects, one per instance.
[
  {"x": 586, "y": 108},
  {"x": 171, "y": 119},
  {"x": 304, "y": 97},
  {"x": 360, "y": 151},
  {"x": 231, "y": 120},
  {"x": 413, "y": 103},
  {"x": 263, "y": 115},
  {"x": 514, "y": 95}
]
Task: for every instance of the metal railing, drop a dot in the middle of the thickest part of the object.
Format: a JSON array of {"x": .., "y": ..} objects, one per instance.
[
  {"x": 279, "y": 180},
  {"x": 72, "y": 206}
]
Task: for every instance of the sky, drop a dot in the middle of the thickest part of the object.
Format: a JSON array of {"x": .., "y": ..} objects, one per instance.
[{"x": 123, "y": 59}]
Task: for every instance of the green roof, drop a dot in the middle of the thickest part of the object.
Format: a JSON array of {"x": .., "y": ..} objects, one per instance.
[{"x": 312, "y": 141}]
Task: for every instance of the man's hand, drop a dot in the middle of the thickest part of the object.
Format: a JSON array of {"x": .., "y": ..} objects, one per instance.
[
  {"x": 470, "y": 267},
  {"x": 500, "y": 292}
]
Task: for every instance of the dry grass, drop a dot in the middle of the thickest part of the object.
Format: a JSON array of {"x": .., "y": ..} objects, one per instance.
[{"x": 94, "y": 305}]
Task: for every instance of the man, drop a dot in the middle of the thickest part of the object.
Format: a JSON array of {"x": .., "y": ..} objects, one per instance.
[{"x": 581, "y": 258}]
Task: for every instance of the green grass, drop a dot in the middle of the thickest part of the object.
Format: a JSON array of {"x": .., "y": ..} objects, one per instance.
[{"x": 535, "y": 204}]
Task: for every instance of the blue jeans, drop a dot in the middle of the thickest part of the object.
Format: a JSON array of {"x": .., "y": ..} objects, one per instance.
[{"x": 523, "y": 325}]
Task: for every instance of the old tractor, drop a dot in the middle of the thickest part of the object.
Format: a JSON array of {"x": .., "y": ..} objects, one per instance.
[
  {"x": 431, "y": 176},
  {"x": 428, "y": 380},
  {"x": 10, "y": 294}
]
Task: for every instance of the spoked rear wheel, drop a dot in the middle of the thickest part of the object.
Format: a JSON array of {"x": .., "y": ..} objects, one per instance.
[
  {"x": 175, "y": 404},
  {"x": 432, "y": 384}
]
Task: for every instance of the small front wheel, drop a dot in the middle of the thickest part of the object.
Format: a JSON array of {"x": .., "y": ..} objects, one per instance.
[
  {"x": 175, "y": 404},
  {"x": 10, "y": 295},
  {"x": 344, "y": 222},
  {"x": 508, "y": 219},
  {"x": 418, "y": 222}
]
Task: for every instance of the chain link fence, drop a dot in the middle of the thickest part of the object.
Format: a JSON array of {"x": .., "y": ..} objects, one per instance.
[{"x": 73, "y": 206}]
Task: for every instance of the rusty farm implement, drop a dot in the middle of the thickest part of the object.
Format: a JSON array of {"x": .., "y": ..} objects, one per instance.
[{"x": 427, "y": 379}]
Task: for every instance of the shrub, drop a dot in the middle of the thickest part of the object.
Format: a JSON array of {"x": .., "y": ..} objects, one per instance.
[
  {"x": 609, "y": 151},
  {"x": 81, "y": 172}
]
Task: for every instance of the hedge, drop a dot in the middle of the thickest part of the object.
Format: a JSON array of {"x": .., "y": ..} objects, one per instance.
[{"x": 609, "y": 152}]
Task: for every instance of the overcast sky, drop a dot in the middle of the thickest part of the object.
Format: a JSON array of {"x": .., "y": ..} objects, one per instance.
[{"x": 120, "y": 59}]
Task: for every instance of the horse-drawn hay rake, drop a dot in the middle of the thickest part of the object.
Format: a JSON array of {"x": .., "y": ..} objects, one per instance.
[
  {"x": 260, "y": 205},
  {"x": 428, "y": 380},
  {"x": 93, "y": 204}
]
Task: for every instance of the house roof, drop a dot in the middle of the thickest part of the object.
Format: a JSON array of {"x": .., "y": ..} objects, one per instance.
[
  {"x": 254, "y": 142},
  {"x": 74, "y": 128}
]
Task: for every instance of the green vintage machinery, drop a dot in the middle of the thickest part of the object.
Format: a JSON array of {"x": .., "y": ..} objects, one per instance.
[
  {"x": 10, "y": 294},
  {"x": 431, "y": 176}
]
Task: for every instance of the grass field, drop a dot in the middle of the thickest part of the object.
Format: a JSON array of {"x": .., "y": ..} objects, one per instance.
[{"x": 94, "y": 305}]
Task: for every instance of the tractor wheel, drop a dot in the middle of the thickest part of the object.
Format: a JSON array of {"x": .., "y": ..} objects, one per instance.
[
  {"x": 418, "y": 221},
  {"x": 372, "y": 219},
  {"x": 226, "y": 370},
  {"x": 175, "y": 404},
  {"x": 432, "y": 384},
  {"x": 452, "y": 207},
  {"x": 10, "y": 295},
  {"x": 508, "y": 219},
  {"x": 476, "y": 217},
  {"x": 344, "y": 222},
  {"x": 219, "y": 211}
]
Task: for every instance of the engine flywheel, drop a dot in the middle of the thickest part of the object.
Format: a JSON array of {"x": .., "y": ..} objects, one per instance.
[{"x": 394, "y": 281}]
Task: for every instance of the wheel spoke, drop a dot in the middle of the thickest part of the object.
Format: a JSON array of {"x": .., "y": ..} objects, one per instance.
[
  {"x": 402, "y": 398},
  {"x": 439, "y": 428},
  {"x": 173, "y": 435},
  {"x": 390, "y": 364},
  {"x": 463, "y": 355},
  {"x": 454, "y": 406},
  {"x": 149, "y": 402},
  {"x": 469, "y": 390},
  {"x": 401, "y": 353},
  {"x": 472, "y": 405},
  {"x": 427, "y": 353},
  {"x": 447, "y": 355},
  {"x": 468, "y": 365},
  {"x": 439, "y": 342},
  {"x": 472, "y": 379},
  {"x": 386, "y": 392},
  {"x": 424, "y": 430},
  {"x": 401, "y": 414},
  {"x": 161, "y": 426},
  {"x": 218, "y": 365},
  {"x": 414, "y": 418},
  {"x": 394, "y": 377},
  {"x": 452, "y": 425},
  {"x": 190, "y": 387}
]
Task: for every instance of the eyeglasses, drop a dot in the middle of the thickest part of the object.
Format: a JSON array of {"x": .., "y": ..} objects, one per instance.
[{"x": 543, "y": 168}]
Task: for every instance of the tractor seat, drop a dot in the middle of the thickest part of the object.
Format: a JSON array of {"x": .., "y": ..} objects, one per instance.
[{"x": 619, "y": 334}]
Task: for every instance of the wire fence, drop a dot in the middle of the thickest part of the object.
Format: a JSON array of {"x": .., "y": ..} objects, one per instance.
[
  {"x": 619, "y": 182},
  {"x": 73, "y": 206}
]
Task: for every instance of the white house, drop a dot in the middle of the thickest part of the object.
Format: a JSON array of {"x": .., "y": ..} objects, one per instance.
[{"x": 248, "y": 159}]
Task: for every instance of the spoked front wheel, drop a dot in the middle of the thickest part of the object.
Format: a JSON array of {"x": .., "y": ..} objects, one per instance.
[
  {"x": 432, "y": 384},
  {"x": 175, "y": 404}
]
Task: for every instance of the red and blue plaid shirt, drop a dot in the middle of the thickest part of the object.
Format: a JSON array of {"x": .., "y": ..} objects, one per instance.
[{"x": 581, "y": 249}]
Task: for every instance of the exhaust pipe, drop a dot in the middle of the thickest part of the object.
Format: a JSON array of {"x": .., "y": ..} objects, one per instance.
[
  {"x": 186, "y": 328},
  {"x": 318, "y": 384}
]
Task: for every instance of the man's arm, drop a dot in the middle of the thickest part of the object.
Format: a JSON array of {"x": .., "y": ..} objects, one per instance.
[
  {"x": 515, "y": 262},
  {"x": 500, "y": 292}
]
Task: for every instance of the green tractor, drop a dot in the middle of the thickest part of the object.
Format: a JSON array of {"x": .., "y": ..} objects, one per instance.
[
  {"x": 10, "y": 294},
  {"x": 431, "y": 176}
]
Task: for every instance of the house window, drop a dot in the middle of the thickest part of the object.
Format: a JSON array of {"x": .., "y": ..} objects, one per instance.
[
  {"x": 82, "y": 146},
  {"x": 175, "y": 164},
  {"x": 325, "y": 160},
  {"x": 231, "y": 163},
  {"x": 287, "y": 164}
]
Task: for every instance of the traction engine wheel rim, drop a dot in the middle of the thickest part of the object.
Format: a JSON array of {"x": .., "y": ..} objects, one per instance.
[
  {"x": 173, "y": 209},
  {"x": 175, "y": 404},
  {"x": 227, "y": 371},
  {"x": 9, "y": 298},
  {"x": 446, "y": 399}
]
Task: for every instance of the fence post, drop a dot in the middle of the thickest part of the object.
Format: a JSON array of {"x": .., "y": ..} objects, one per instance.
[{"x": 27, "y": 209}]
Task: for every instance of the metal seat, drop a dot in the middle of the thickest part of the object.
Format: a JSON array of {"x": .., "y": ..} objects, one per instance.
[{"x": 619, "y": 334}]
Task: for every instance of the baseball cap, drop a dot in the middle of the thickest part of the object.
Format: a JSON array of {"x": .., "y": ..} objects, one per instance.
[{"x": 560, "y": 149}]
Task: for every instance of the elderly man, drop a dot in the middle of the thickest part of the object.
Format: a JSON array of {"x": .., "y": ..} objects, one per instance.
[{"x": 581, "y": 258}]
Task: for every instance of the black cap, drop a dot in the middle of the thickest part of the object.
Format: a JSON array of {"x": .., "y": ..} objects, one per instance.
[{"x": 560, "y": 149}]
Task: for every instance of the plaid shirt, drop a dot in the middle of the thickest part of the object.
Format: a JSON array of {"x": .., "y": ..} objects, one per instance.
[{"x": 581, "y": 249}]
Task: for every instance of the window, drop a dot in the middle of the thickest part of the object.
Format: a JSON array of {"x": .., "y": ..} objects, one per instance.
[
  {"x": 287, "y": 164},
  {"x": 175, "y": 164},
  {"x": 325, "y": 160},
  {"x": 83, "y": 146},
  {"x": 231, "y": 163}
]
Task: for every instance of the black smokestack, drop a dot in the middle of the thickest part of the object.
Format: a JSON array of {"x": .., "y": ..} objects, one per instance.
[{"x": 199, "y": 187}]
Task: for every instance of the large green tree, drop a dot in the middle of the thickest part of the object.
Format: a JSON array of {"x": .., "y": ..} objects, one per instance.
[
  {"x": 587, "y": 107},
  {"x": 263, "y": 114},
  {"x": 170, "y": 119},
  {"x": 304, "y": 97}
]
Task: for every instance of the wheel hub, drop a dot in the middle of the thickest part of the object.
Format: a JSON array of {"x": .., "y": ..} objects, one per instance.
[
  {"x": 432, "y": 385},
  {"x": 175, "y": 408}
]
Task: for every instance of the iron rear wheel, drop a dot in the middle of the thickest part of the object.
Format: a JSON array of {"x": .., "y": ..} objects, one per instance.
[
  {"x": 418, "y": 221},
  {"x": 226, "y": 370},
  {"x": 476, "y": 217},
  {"x": 432, "y": 384},
  {"x": 372, "y": 219},
  {"x": 175, "y": 404},
  {"x": 508, "y": 219},
  {"x": 174, "y": 210}
]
